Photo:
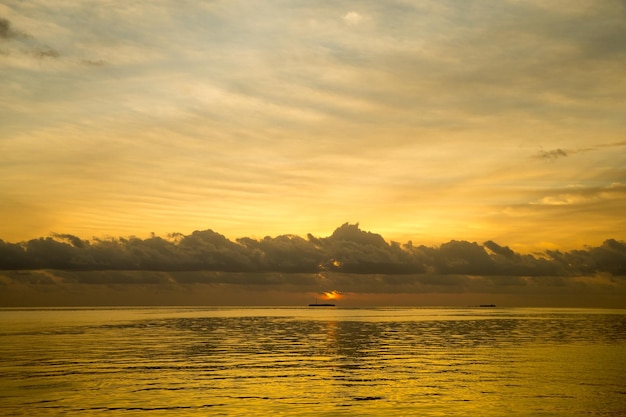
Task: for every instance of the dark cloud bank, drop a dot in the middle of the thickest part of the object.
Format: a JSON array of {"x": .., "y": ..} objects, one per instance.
[
  {"x": 207, "y": 268},
  {"x": 349, "y": 250}
]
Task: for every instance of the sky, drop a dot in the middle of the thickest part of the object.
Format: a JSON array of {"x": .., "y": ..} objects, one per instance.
[{"x": 422, "y": 120}]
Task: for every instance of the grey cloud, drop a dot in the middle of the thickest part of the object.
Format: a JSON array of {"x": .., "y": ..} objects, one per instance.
[
  {"x": 459, "y": 257},
  {"x": 45, "y": 52},
  {"x": 94, "y": 63},
  {"x": 7, "y": 32},
  {"x": 507, "y": 262},
  {"x": 349, "y": 250},
  {"x": 31, "y": 45},
  {"x": 557, "y": 153},
  {"x": 284, "y": 253},
  {"x": 73, "y": 240},
  {"x": 503, "y": 251},
  {"x": 551, "y": 154},
  {"x": 58, "y": 287},
  {"x": 13, "y": 256},
  {"x": 207, "y": 268},
  {"x": 520, "y": 54},
  {"x": 611, "y": 145},
  {"x": 610, "y": 257}
]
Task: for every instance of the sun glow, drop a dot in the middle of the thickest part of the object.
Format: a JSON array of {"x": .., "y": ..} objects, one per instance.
[{"x": 332, "y": 295}]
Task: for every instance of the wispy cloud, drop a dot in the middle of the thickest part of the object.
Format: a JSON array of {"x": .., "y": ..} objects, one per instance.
[
  {"x": 584, "y": 195},
  {"x": 415, "y": 118},
  {"x": 560, "y": 153},
  {"x": 7, "y": 32},
  {"x": 27, "y": 42},
  {"x": 551, "y": 154}
]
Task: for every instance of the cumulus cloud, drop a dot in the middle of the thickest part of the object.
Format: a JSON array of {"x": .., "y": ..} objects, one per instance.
[
  {"x": 206, "y": 267},
  {"x": 349, "y": 250}
]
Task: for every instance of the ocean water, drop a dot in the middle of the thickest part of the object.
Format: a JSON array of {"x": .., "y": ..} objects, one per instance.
[{"x": 312, "y": 361}]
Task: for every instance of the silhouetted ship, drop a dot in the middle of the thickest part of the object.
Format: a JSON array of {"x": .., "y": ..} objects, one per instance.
[
  {"x": 487, "y": 305},
  {"x": 316, "y": 304}
]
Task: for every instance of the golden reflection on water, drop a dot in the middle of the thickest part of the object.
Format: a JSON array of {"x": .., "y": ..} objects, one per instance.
[{"x": 301, "y": 362}]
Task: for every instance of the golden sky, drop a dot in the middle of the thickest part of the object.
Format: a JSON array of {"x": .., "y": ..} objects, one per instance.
[{"x": 421, "y": 120}]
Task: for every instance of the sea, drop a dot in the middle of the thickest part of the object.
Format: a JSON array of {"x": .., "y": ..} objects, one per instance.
[{"x": 312, "y": 361}]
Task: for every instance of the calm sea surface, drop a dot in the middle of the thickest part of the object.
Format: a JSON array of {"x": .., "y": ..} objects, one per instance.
[{"x": 312, "y": 361}]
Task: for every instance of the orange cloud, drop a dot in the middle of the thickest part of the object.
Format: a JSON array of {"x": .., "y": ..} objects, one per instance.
[{"x": 333, "y": 295}]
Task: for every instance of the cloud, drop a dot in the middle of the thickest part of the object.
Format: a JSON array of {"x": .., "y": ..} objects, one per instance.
[
  {"x": 81, "y": 288},
  {"x": 610, "y": 258},
  {"x": 561, "y": 153},
  {"x": 336, "y": 121},
  {"x": 580, "y": 195},
  {"x": 7, "y": 32},
  {"x": 31, "y": 45},
  {"x": 353, "y": 18},
  {"x": 551, "y": 154},
  {"x": 284, "y": 253},
  {"x": 94, "y": 63},
  {"x": 207, "y": 268},
  {"x": 349, "y": 250},
  {"x": 73, "y": 240},
  {"x": 45, "y": 52},
  {"x": 618, "y": 144}
]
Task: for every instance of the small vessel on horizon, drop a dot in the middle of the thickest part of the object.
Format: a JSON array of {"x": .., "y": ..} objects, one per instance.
[{"x": 316, "y": 304}]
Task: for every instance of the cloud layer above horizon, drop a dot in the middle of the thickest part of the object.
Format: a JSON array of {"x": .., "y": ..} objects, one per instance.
[
  {"x": 429, "y": 120},
  {"x": 352, "y": 265},
  {"x": 348, "y": 250}
]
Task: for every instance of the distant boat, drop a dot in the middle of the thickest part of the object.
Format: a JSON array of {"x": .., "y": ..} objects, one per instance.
[
  {"x": 316, "y": 304},
  {"x": 487, "y": 305}
]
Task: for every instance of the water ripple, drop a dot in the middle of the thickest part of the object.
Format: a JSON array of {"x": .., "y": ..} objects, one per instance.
[{"x": 526, "y": 363}]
